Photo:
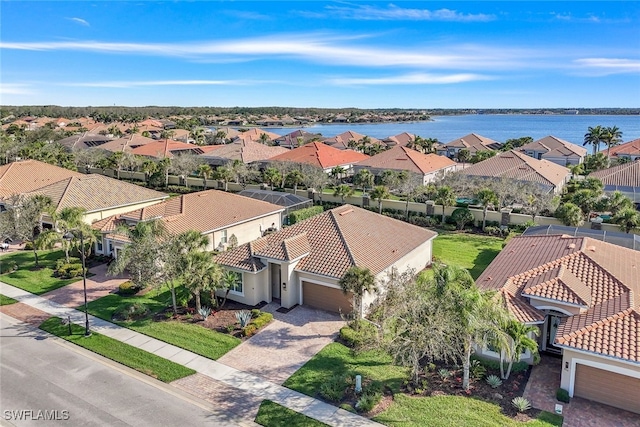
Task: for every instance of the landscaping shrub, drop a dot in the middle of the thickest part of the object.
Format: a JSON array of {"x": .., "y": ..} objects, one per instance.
[
  {"x": 69, "y": 271},
  {"x": 521, "y": 404},
  {"x": 334, "y": 389},
  {"x": 357, "y": 333},
  {"x": 492, "y": 231},
  {"x": 61, "y": 262},
  {"x": 128, "y": 288},
  {"x": 255, "y": 313},
  {"x": 243, "y": 317},
  {"x": 477, "y": 370},
  {"x": 494, "y": 365},
  {"x": 494, "y": 381},
  {"x": 302, "y": 214},
  {"x": 347, "y": 407},
  {"x": 28, "y": 246},
  {"x": 368, "y": 401},
  {"x": 130, "y": 312},
  {"x": 562, "y": 395},
  {"x": 249, "y": 330},
  {"x": 462, "y": 217},
  {"x": 262, "y": 320}
]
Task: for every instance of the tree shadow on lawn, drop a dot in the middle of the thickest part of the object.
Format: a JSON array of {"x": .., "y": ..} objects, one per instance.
[{"x": 482, "y": 261}]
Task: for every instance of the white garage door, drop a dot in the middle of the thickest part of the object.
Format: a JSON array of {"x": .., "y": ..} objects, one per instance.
[
  {"x": 607, "y": 387},
  {"x": 326, "y": 298}
]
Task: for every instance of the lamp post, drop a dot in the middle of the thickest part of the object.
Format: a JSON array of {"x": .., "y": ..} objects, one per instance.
[{"x": 68, "y": 236}]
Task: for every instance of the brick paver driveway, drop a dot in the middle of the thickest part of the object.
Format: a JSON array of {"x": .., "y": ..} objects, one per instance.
[
  {"x": 286, "y": 344},
  {"x": 98, "y": 286}
]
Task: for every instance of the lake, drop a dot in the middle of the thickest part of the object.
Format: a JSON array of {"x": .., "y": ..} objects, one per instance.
[{"x": 498, "y": 127}]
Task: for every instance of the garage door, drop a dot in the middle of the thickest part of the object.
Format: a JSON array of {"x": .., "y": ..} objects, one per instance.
[
  {"x": 607, "y": 387},
  {"x": 325, "y": 298}
]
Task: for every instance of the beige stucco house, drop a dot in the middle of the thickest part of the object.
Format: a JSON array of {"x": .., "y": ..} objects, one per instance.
[
  {"x": 555, "y": 150},
  {"x": 303, "y": 264},
  {"x": 225, "y": 218},
  {"x": 583, "y": 294}
]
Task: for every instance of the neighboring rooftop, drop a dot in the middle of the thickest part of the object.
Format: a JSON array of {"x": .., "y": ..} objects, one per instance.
[
  {"x": 474, "y": 143},
  {"x": 245, "y": 150},
  {"x": 628, "y": 149},
  {"x": 626, "y": 240},
  {"x": 84, "y": 140},
  {"x": 29, "y": 175},
  {"x": 600, "y": 278},
  {"x": 403, "y": 158},
  {"x": 332, "y": 242},
  {"x": 321, "y": 155},
  {"x": 341, "y": 141},
  {"x": 554, "y": 147},
  {"x": 624, "y": 178},
  {"x": 166, "y": 148}
]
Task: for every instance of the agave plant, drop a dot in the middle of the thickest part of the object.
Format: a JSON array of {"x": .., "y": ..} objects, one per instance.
[
  {"x": 444, "y": 374},
  {"x": 494, "y": 381},
  {"x": 243, "y": 317},
  {"x": 204, "y": 312},
  {"x": 521, "y": 404}
]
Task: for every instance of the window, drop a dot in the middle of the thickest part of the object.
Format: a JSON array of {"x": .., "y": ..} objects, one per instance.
[
  {"x": 99, "y": 245},
  {"x": 237, "y": 285},
  {"x": 223, "y": 238}
]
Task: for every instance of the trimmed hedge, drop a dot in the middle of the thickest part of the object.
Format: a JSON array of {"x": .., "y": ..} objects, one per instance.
[
  {"x": 494, "y": 365},
  {"x": 302, "y": 214},
  {"x": 358, "y": 333}
]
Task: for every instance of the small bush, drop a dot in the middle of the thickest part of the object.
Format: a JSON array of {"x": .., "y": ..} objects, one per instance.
[
  {"x": 358, "y": 333},
  {"x": 61, "y": 262},
  {"x": 462, "y": 217},
  {"x": 204, "y": 312},
  {"x": 128, "y": 288},
  {"x": 562, "y": 395},
  {"x": 249, "y": 330},
  {"x": 368, "y": 401},
  {"x": 333, "y": 389},
  {"x": 477, "y": 370},
  {"x": 302, "y": 214},
  {"x": 347, "y": 407},
  {"x": 445, "y": 374},
  {"x": 262, "y": 320},
  {"x": 69, "y": 271},
  {"x": 255, "y": 313},
  {"x": 492, "y": 231},
  {"x": 243, "y": 317},
  {"x": 129, "y": 312},
  {"x": 28, "y": 246},
  {"x": 521, "y": 404},
  {"x": 494, "y": 365},
  {"x": 494, "y": 381}
]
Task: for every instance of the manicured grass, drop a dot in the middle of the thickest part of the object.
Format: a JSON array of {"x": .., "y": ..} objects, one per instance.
[
  {"x": 26, "y": 277},
  {"x": 337, "y": 359},
  {"x": 454, "y": 411},
  {"x": 471, "y": 251},
  {"x": 4, "y": 300},
  {"x": 271, "y": 414},
  {"x": 192, "y": 337},
  {"x": 130, "y": 356}
]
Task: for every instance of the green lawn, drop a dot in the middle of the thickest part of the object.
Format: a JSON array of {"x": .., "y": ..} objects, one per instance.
[
  {"x": 337, "y": 359},
  {"x": 454, "y": 411},
  {"x": 192, "y": 337},
  {"x": 25, "y": 277},
  {"x": 471, "y": 251},
  {"x": 271, "y": 414},
  {"x": 4, "y": 300},
  {"x": 130, "y": 356}
]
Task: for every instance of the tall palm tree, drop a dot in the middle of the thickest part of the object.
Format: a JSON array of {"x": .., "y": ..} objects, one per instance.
[
  {"x": 271, "y": 176},
  {"x": 612, "y": 136},
  {"x": 358, "y": 280},
  {"x": 295, "y": 178},
  {"x": 342, "y": 191},
  {"x": 337, "y": 172},
  {"x": 628, "y": 219},
  {"x": 593, "y": 137},
  {"x": 204, "y": 171},
  {"x": 378, "y": 193},
  {"x": 365, "y": 179},
  {"x": 115, "y": 161},
  {"x": 445, "y": 197},
  {"x": 65, "y": 220},
  {"x": 200, "y": 274},
  {"x": 519, "y": 339},
  {"x": 148, "y": 167},
  {"x": 486, "y": 197}
]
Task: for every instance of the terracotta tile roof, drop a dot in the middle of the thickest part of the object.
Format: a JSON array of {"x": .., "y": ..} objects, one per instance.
[
  {"x": 516, "y": 165},
  {"x": 204, "y": 211},
  {"x": 601, "y": 277},
  {"x": 400, "y": 139},
  {"x": 245, "y": 150},
  {"x": 631, "y": 148},
  {"x": 291, "y": 139},
  {"x": 474, "y": 142},
  {"x": 165, "y": 148},
  {"x": 403, "y": 158},
  {"x": 84, "y": 140},
  {"x": 321, "y": 155},
  {"x": 337, "y": 240},
  {"x": 553, "y": 145},
  {"x": 341, "y": 141},
  {"x": 522, "y": 311},
  {"x": 627, "y": 175},
  {"x": 127, "y": 143},
  {"x": 255, "y": 133},
  {"x": 29, "y": 175},
  {"x": 97, "y": 192}
]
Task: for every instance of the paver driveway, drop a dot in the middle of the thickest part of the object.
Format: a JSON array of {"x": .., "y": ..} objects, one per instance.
[{"x": 286, "y": 344}]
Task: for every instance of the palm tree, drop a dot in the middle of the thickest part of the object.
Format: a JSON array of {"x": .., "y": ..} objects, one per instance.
[
  {"x": 612, "y": 136},
  {"x": 198, "y": 135},
  {"x": 224, "y": 174},
  {"x": 364, "y": 178},
  {"x": 570, "y": 214},
  {"x": 271, "y": 176},
  {"x": 67, "y": 219},
  {"x": 342, "y": 191},
  {"x": 380, "y": 192},
  {"x": 617, "y": 202},
  {"x": 487, "y": 197},
  {"x": 445, "y": 197},
  {"x": 593, "y": 137},
  {"x": 148, "y": 167},
  {"x": 337, "y": 172},
  {"x": 264, "y": 139},
  {"x": 204, "y": 172},
  {"x": 429, "y": 144},
  {"x": 200, "y": 274},
  {"x": 115, "y": 161},
  {"x": 463, "y": 156},
  {"x": 295, "y": 178},
  {"x": 628, "y": 219},
  {"x": 358, "y": 281},
  {"x": 519, "y": 340}
]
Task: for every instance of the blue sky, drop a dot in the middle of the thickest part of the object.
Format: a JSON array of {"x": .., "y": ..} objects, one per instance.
[{"x": 472, "y": 54}]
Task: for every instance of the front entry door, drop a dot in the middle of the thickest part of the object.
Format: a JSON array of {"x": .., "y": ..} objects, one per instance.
[
  {"x": 275, "y": 280},
  {"x": 553, "y": 322}
]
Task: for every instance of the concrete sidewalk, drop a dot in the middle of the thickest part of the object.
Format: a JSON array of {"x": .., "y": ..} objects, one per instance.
[{"x": 216, "y": 371}]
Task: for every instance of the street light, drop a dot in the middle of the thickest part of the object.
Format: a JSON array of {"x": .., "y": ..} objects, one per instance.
[{"x": 68, "y": 236}]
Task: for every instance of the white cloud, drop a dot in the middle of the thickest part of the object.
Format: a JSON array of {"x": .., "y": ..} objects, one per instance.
[
  {"x": 395, "y": 13},
  {"x": 412, "y": 79},
  {"x": 79, "y": 21},
  {"x": 15, "y": 89},
  {"x": 132, "y": 84},
  {"x": 606, "y": 66}
]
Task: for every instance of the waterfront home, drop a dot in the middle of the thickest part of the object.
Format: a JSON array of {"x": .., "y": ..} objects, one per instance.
[
  {"x": 624, "y": 178},
  {"x": 303, "y": 263},
  {"x": 403, "y": 139},
  {"x": 400, "y": 158},
  {"x": 583, "y": 295},
  {"x": 516, "y": 165},
  {"x": 245, "y": 150},
  {"x": 321, "y": 155},
  {"x": 472, "y": 143},
  {"x": 629, "y": 150},
  {"x": 259, "y": 135},
  {"x": 349, "y": 140},
  {"x": 555, "y": 150},
  {"x": 296, "y": 139},
  {"x": 166, "y": 148}
]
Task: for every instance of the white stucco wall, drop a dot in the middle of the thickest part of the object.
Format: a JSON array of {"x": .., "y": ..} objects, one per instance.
[{"x": 248, "y": 231}]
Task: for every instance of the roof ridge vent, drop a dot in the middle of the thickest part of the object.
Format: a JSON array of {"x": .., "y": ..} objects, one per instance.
[{"x": 343, "y": 213}]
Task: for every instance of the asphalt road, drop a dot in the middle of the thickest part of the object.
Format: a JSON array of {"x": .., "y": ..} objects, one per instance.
[{"x": 78, "y": 388}]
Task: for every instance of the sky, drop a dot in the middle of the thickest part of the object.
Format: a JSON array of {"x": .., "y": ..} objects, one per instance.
[{"x": 363, "y": 54}]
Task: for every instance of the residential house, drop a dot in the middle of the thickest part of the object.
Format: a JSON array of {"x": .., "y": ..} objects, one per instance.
[
  {"x": 555, "y": 150},
  {"x": 255, "y": 134},
  {"x": 401, "y": 158},
  {"x": 583, "y": 295},
  {"x": 297, "y": 138},
  {"x": 29, "y": 175},
  {"x": 516, "y": 165},
  {"x": 472, "y": 143},
  {"x": 403, "y": 139},
  {"x": 629, "y": 150},
  {"x": 624, "y": 178},
  {"x": 222, "y": 217},
  {"x": 321, "y": 155},
  {"x": 245, "y": 150},
  {"x": 345, "y": 140},
  {"x": 84, "y": 140},
  {"x": 303, "y": 263},
  {"x": 166, "y": 148},
  {"x": 126, "y": 143}
]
